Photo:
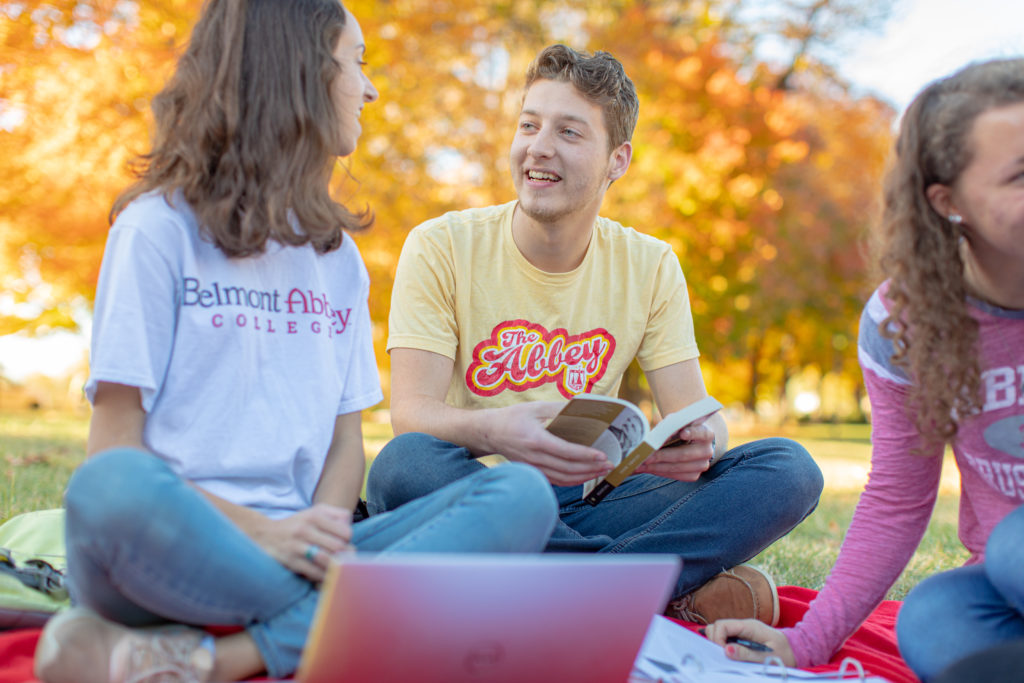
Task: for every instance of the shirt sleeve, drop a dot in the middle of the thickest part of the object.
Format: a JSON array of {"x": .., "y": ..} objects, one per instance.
[
  {"x": 889, "y": 521},
  {"x": 669, "y": 337},
  {"x": 423, "y": 297},
  {"x": 135, "y": 314}
]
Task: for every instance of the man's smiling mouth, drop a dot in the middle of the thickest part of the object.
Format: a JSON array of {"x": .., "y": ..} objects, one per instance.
[{"x": 542, "y": 175}]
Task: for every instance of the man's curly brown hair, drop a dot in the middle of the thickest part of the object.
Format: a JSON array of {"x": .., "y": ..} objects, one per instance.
[
  {"x": 934, "y": 336},
  {"x": 600, "y": 78}
]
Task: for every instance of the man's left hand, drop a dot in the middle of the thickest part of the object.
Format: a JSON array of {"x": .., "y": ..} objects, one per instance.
[{"x": 687, "y": 458}]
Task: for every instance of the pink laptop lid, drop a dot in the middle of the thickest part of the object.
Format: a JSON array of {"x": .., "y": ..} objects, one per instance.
[{"x": 448, "y": 618}]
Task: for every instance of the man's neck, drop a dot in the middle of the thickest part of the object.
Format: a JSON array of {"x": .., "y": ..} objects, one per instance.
[{"x": 553, "y": 247}]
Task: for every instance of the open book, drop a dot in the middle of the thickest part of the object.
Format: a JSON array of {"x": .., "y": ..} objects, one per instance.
[{"x": 621, "y": 430}]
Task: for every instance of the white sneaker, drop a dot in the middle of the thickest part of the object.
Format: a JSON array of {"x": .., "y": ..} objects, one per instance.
[{"x": 79, "y": 646}]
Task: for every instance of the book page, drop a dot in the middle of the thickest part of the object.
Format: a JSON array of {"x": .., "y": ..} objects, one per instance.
[
  {"x": 607, "y": 423},
  {"x": 586, "y": 417},
  {"x": 673, "y": 652},
  {"x": 673, "y": 422},
  {"x": 629, "y": 428},
  {"x": 654, "y": 440},
  {"x": 620, "y": 437},
  {"x": 610, "y": 444}
]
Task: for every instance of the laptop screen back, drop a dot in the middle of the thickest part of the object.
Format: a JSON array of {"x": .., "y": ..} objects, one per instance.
[{"x": 495, "y": 617}]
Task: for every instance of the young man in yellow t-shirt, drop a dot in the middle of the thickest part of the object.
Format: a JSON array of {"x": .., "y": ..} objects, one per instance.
[{"x": 500, "y": 314}]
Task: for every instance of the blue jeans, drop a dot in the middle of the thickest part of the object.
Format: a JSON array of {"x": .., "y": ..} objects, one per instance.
[
  {"x": 753, "y": 495},
  {"x": 954, "y": 614},
  {"x": 145, "y": 547}
]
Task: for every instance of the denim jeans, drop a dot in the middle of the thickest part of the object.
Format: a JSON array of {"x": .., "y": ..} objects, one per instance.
[
  {"x": 756, "y": 493},
  {"x": 956, "y": 613},
  {"x": 145, "y": 547}
]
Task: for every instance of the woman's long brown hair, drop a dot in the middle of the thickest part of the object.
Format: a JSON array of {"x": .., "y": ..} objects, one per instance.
[
  {"x": 246, "y": 129},
  {"x": 934, "y": 336}
]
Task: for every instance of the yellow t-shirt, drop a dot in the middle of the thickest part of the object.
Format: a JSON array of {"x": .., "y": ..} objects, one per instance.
[{"x": 516, "y": 333}]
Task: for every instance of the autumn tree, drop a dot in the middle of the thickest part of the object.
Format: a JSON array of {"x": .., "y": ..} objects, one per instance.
[
  {"x": 760, "y": 174},
  {"x": 75, "y": 84}
]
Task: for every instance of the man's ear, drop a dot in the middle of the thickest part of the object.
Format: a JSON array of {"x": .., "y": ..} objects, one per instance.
[
  {"x": 941, "y": 198},
  {"x": 620, "y": 159}
]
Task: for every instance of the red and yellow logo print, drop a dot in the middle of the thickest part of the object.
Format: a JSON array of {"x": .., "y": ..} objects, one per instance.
[{"x": 521, "y": 355}]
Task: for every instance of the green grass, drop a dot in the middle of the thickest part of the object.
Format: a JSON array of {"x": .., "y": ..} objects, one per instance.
[
  {"x": 38, "y": 452},
  {"x": 805, "y": 556}
]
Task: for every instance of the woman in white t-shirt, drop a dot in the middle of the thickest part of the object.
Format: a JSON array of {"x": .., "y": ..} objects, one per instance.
[{"x": 231, "y": 358}]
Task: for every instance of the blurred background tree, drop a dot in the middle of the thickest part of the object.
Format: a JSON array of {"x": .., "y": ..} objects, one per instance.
[{"x": 752, "y": 157}]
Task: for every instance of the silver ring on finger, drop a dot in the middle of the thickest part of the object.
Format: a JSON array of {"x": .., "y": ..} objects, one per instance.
[{"x": 312, "y": 550}]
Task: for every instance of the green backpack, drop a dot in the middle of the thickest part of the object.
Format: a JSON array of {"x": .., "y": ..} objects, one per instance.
[{"x": 32, "y": 566}]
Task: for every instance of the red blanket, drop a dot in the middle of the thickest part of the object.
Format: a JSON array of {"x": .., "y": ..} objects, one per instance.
[{"x": 874, "y": 644}]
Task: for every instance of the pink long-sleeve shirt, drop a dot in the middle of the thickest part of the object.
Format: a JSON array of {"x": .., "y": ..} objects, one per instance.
[{"x": 894, "y": 509}]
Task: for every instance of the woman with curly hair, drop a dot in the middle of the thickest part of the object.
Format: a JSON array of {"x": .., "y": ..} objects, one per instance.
[
  {"x": 231, "y": 359},
  {"x": 942, "y": 352}
]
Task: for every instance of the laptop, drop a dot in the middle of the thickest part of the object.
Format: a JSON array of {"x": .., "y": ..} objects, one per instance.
[{"x": 453, "y": 618}]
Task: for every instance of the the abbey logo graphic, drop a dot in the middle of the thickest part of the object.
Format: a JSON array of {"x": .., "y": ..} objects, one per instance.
[{"x": 520, "y": 355}]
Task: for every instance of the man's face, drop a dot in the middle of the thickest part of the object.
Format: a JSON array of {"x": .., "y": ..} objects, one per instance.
[{"x": 559, "y": 157}]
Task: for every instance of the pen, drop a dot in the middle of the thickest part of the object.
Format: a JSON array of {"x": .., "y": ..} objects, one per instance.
[{"x": 750, "y": 644}]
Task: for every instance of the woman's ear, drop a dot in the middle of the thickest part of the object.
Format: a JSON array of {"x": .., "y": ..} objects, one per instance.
[{"x": 941, "y": 198}]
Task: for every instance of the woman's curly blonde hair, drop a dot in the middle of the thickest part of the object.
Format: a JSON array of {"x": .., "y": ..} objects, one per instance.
[
  {"x": 935, "y": 338},
  {"x": 246, "y": 128}
]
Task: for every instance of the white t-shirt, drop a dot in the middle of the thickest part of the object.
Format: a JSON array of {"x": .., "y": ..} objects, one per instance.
[{"x": 243, "y": 364}]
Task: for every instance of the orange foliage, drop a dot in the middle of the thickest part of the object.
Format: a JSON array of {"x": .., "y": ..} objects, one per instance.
[
  {"x": 76, "y": 80},
  {"x": 762, "y": 192}
]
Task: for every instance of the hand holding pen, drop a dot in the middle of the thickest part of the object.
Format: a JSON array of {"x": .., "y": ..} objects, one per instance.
[
  {"x": 749, "y": 644},
  {"x": 749, "y": 640}
]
